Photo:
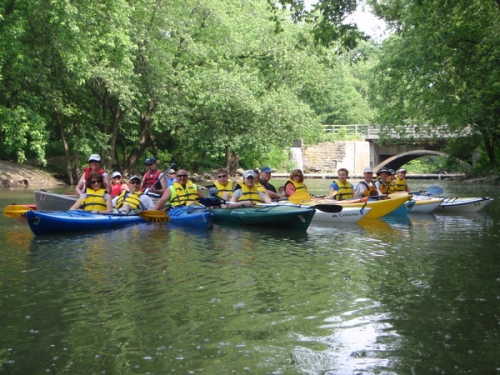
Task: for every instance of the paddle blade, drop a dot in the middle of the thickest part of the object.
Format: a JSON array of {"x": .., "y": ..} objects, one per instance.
[
  {"x": 300, "y": 198},
  {"x": 330, "y": 208},
  {"x": 15, "y": 211},
  {"x": 436, "y": 190},
  {"x": 155, "y": 216}
]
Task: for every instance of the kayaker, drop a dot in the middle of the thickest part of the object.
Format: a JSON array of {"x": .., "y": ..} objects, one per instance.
[
  {"x": 152, "y": 178},
  {"x": 400, "y": 181},
  {"x": 94, "y": 166},
  {"x": 340, "y": 188},
  {"x": 132, "y": 198},
  {"x": 383, "y": 183},
  {"x": 295, "y": 183},
  {"x": 95, "y": 199},
  {"x": 223, "y": 184},
  {"x": 366, "y": 188},
  {"x": 248, "y": 194},
  {"x": 182, "y": 192},
  {"x": 170, "y": 179},
  {"x": 264, "y": 178},
  {"x": 117, "y": 184}
]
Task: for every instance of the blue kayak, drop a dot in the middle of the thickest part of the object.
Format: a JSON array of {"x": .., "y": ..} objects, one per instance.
[
  {"x": 50, "y": 222},
  {"x": 192, "y": 216}
]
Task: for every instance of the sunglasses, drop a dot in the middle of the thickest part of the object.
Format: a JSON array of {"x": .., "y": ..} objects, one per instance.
[
  {"x": 182, "y": 175},
  {"x": 222, "y": 175},
  {"x": 135, "y": 182},
  {"x": 149, "y": 165},
  {"x": 296, "y": 175},
  {"x": 250, "y": 177},
  {"x": 117, "y": 177},
  {"x": 93, "y": 161},
  {"x": 95, "y": 181}
]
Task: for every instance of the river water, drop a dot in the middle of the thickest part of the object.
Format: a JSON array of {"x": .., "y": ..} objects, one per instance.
[{"x": 415, "y": 295}]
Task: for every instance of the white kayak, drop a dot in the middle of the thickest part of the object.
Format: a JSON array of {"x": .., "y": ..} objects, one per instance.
[
  {"x": 425, "y": 204},
  {"x": 463, "y": 205},
  {"x": 347, "y": 215}
]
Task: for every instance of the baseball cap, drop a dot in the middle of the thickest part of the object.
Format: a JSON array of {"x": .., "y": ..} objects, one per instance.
[
  {"x": 150, "y": 161},
  {"x": 248, "y": 173},
  {"x": 266, "y": 169},
  {"x": 402, "y": 170},
  {"x": 368, "y": 170},
  {"x": 94, "y": 157},
  {"x": 170, "y": 171},
  {"x": 135, "y": 178},
  {"x": 116, "y": 174}
]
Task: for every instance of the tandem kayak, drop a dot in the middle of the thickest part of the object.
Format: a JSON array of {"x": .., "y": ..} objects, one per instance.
[
  {"x": 463, "y": 205},
  {"x": 47, "y": 201},
  {"x": 293, "y": 217},
  {"x": 192, "y": 216},
  {"x": 51, "y": 222}
]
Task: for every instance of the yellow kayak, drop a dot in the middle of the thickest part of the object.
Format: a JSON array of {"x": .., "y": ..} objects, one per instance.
[{"x": 379, "y": 208}]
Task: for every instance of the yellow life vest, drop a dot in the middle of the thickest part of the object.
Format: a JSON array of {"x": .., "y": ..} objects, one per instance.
[
  {"x": 400, "y": 184},
  {"x": 228, "y": 188},
  {"x": 250, "y": 194},
  {"x": 94, "y": 200},
  {"x": 180, "y": 196},
  {"x": 385, "y": 187},
  {"x": 371, "y": 190},
  {"x": 300, "y": 187},
  {"x": 345, "y": 191},
  {"x": 132, "y": 199}
]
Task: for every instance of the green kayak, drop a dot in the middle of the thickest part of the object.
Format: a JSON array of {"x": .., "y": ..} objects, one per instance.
[{"x": 284, "y": 217}]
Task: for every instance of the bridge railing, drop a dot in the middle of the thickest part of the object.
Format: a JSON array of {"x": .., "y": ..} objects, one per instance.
[{"x": 356, "y": 130}]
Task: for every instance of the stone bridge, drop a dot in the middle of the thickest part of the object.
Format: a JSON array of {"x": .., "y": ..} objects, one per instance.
[{"x": 394, "y": 151}]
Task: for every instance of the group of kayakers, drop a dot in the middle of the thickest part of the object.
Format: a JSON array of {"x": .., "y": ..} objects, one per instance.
[{"x": 98, "y": 194}]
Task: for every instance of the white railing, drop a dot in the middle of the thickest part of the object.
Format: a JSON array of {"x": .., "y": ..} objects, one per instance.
[{"x": 406, "y": 132}]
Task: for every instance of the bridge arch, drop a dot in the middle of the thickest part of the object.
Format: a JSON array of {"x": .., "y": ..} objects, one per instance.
[{"x": 395, "y": 162}]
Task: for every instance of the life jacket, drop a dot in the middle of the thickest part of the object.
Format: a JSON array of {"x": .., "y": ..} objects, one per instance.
[
  {"x": 94, "y": 200},
  {"x": 228, "y": 188},
  {"x": 150, "y": 179},
  {"x": 116, "y": 189},
  {"x": 384, "y": 187},
  {"x": 180, "y": 196},
  {"x": 345, "y": 191},
  {"x": 370, "y": 191},
  {"x": 300, "y": 187},
  {"x": 133, "y": 199},
  {"x": 400, "y": 184},
  {"x": 250, "y": 194}
]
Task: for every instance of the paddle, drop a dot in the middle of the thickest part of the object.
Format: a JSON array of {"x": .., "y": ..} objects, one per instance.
[
  {"x": 156, "y": 216},
  {"x": 330, "y": 208},
  {"x": 159, "y": 179},
  {"x": 15, "y": 211}
]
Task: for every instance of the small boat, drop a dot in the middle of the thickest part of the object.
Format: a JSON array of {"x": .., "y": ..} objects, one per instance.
[
  {"x": 379, "y": 208},
  {"x": 425, "y": 204},
  {"x": 463, "y": 205},
  {"x": 192, "y": 216},
  {"x": 347, "y": 215},
  {"x": 48, "y": 201},
  {"x": 51, "y": 222},
  {"x": 292, "y": 217}
]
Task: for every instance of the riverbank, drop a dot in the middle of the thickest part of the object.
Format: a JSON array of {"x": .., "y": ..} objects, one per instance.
[{"x": 15, "y": 175}]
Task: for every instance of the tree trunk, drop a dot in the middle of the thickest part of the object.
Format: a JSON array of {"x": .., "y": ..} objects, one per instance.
[{"x": 232, "y": 161}]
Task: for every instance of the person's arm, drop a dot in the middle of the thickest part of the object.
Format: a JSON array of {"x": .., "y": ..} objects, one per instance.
[
  {"x": 165, "y": 197},
  {"x": 265, "y": 197},
  {"x": 289, "y": 190},
  {"x": 358, "y": 190},
  {"x": 109, "y": 204},
  {"x": 235, "y": 203},
  {"x": 80, "y": 185},
  {"x": 107, "y": 182},
  {"x": 273, "y": 195},
  {"x": 77, "y": 204},
  {"x": 332, "y": 190}
]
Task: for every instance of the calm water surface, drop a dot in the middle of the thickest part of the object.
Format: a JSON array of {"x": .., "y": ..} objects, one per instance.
[{"x": 415, "y": 295}]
